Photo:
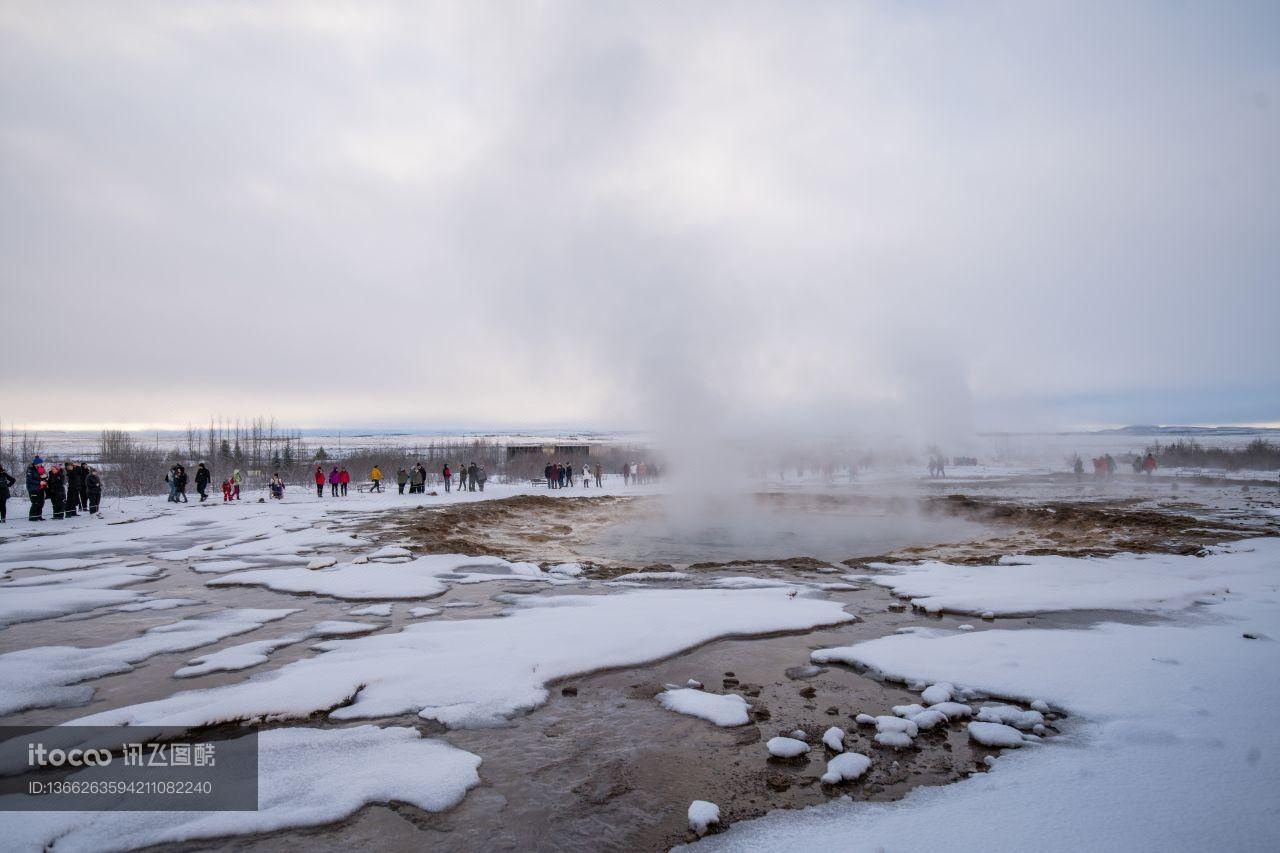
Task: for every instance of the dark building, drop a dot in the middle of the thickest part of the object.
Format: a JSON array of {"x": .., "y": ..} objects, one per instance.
[{"x": 550, "y": 451}]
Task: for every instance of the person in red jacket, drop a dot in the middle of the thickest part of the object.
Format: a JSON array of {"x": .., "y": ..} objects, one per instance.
[
  {"x": 344, "y": 477},
  {"x": 446, "y": 475},
  {"x": 319, "y": 482}
]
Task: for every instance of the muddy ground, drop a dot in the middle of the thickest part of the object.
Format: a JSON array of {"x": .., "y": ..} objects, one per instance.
[
  {"x": 602, "y": 766},
  {"x": 549, "y": 530}
]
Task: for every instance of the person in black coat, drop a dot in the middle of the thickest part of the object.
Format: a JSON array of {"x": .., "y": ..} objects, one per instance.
[
  {"x": 82, "y": 485},
  {"x": 93, "y": 490},
  {"x": 72, "y": 501},
  {"x": 57, "y": 490},
  {"x": 5, "y": 482},
  {"x": 37, "y": 485},
  {"x": 203, "y": 476},
  {"x": 182, "y": 484}
]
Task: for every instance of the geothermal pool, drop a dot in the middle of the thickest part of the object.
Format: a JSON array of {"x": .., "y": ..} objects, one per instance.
[{"x": 773, "y": 527}]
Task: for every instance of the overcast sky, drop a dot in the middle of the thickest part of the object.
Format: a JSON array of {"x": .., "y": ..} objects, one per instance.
[{"x": 1017, "y": 215}]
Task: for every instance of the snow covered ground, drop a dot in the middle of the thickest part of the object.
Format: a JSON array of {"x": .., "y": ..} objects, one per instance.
[
  {"x": 1159, "y": 753},
  {"x": 1156, "y": 752},
  {"x": 472, "y": 670}
]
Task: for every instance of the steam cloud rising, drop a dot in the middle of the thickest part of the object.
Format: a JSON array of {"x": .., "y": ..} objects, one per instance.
[{"x": 703, "y": 219}]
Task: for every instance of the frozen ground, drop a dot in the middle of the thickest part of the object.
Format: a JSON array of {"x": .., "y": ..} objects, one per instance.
[
  {"x": 198, "y": 615},
  {"x": 1159, "y": 758}
]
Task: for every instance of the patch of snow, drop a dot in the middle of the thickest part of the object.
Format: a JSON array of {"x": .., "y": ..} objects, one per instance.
[
  {"x": 420, "y": 612},
  {"x": 703, "y": 814},
  {"x": 416, "y": 579},
  {"x": 371, "y": 610},
  {"x": 727, "y": 709},
  {"x": 897, "y": 740},
  {"x": 995, "y": 735},
  {"x": 653, "y": 576},
  {"x": 953, "y": 710},
  {"x": 1010, "y": 716},
  {"x": 306, "y": 777},
  {"x": 1023, "y": 584},
  {"x": 49, "y": 596},
  {"x": 389, "y": 551},
  {"x": 748, "y": 582},
  {"x": 53, "y": 676},
  {"x": 157, "y": 604},
  {"x": 480, "y": 671},
  {"x": 937, "y": 693},
  {"x": 786, "y": 747},
  {"x": 833, "y": 739},
  {"x": 897, "y": 724},
  {"x": 338, "y": 628},
  {"x": 847, "y": 767},
  {"x": 930, "y": 719}
]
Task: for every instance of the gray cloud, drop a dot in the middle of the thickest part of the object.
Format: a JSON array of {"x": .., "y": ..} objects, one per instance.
[{"x": 657, "y": 214}]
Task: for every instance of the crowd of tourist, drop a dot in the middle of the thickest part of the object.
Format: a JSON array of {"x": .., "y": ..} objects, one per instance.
[{"x": 70, "y": 489}]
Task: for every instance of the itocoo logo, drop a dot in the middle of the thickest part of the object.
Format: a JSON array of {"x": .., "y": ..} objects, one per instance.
[{"x": 38, "y": 756}]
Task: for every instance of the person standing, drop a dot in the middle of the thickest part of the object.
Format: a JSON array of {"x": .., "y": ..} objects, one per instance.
[
  {"x": 72, "y": 500},
  {"x": 344, "y": 479},
  {"x": 58, "y": 492},
  {"x": 586, "y": 476},
  {"x": 333, "y": 482},
  {"x": 82, "y": 471},
  {"x": 446, "y": 474},
  {"x": 626, "y": 474},
  {"x": 416, "y": 479},
  {"x": 93, "y": 490},
  {"x": 236, "y": 480},
  {"x": 481, "y": 476},
  {"x": 462, "y": 477},
  {"x": 203, "y": 476},
  {"x": 74, "y": 487},
  {"x": 599, "y": 476},
  {"x": 319, "y": 476},
  {"x": 376, "y": 476},
  {"x": 1149, "y": 464},
  {"x": 5, "y": 482},
  {"x": 471, "y": 477},
  {"x": 182, "y": 484},
  {"x": 172, "y": 480},
  {"x": 402, "y": 477},
  {"x": 37, "y": 488}
]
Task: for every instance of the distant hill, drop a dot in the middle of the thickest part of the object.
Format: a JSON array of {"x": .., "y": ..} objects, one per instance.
[{"x": 1150, "y": 429}]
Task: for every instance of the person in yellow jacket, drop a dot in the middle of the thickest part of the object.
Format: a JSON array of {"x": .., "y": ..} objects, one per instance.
[{"x": 376, "y": 476}]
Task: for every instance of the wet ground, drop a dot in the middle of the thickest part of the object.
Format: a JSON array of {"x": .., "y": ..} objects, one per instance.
[{"x": 601, "y": 766}]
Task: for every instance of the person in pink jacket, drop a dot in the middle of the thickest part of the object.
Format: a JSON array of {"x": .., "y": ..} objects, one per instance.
[{"x": 334, "y": 478}]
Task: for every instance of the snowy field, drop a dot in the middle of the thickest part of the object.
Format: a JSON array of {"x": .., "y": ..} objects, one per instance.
[{"x": 397, "y": 670}]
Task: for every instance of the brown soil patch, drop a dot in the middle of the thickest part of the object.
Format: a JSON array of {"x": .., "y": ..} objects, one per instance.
[{"x": 1075, "y": 529}]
